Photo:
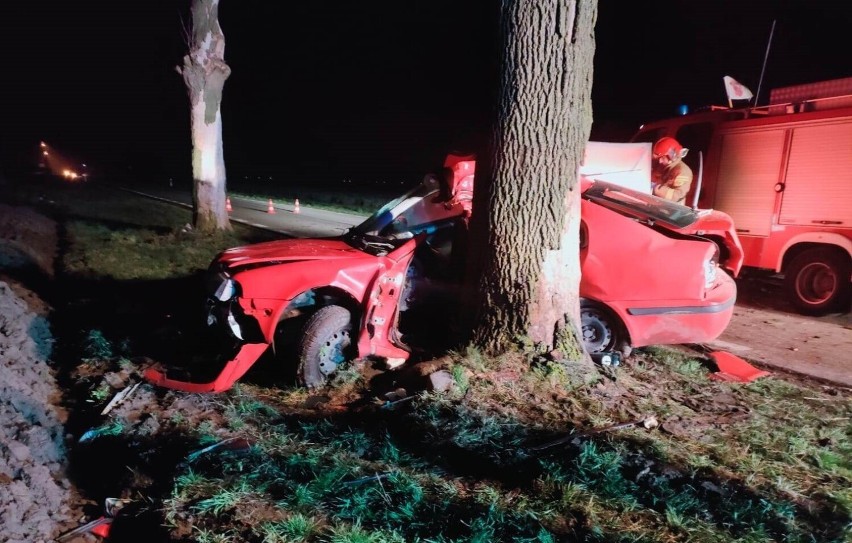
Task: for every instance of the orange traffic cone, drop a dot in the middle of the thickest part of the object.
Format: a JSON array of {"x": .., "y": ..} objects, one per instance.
[
  {"x": 296, "y": 206},
  {"x": 271, "y": 208},
  {"x": 228, "y": 207}
]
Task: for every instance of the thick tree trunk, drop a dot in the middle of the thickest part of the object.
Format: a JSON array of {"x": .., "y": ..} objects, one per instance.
[
  {"x": 530, "y": 269},
  {"x": 204, "y": 71}
]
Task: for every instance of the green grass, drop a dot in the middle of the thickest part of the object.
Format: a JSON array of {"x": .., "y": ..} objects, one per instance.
[
  {"x": 115, "y": 235},
  {"x": 394, "y": 479}
]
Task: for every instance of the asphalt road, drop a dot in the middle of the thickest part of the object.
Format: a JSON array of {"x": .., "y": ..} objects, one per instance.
[
  {"x": 765, "y": 329},
  {"x": 306, "y": 222}
]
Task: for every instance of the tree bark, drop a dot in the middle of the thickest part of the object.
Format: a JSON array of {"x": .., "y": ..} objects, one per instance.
[
  {"x": 204, "y": 72},
  {"x": 528, "y": 265}
]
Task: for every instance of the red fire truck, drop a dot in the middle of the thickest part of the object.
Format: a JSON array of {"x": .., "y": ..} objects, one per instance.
[{"x": 783, "y": 172}]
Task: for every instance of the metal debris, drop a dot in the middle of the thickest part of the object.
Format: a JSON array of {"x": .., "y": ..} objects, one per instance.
[{"x": 99, "y": 526}]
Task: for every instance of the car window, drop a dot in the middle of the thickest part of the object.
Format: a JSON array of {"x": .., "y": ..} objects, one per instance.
[
  {"x": 419, "y": 214},
  {"x": 381, "y": 219},
  {"x": 640, "y": 205}
]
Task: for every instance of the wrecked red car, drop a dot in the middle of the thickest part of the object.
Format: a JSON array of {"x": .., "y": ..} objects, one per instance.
[{"x": 651, "y": 275}]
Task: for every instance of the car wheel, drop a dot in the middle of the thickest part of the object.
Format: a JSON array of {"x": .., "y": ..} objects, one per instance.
[
  {"x": 602, "y": 331},
  {"x": 326, "y": 343},
  {"x": 817, "y": 281}
]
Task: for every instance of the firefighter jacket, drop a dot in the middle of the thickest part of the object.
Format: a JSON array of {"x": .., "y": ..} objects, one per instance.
[{"x": 672, "y": 182}]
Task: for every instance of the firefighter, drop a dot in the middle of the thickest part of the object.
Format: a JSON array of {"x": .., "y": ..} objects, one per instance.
[{"x": 671, "y": 177}]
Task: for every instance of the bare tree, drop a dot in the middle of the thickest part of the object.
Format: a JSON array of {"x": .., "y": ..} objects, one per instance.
[
  {"x": 528, "y": 262},
  {"x": 204, "y": 71}
]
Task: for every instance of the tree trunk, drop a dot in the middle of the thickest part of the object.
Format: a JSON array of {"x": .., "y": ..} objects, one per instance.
[
  {"x": 204, "y": 71},
  {"x": 529, "y": 267}
]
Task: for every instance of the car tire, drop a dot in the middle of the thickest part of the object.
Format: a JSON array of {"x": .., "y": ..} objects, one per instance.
[
  {"x": 817, "y": 280},
  {"x": 602, "y": 331},
  {"x": 325, "y": 343}
]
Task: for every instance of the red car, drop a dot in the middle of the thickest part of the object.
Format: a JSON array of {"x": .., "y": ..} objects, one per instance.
[{"x": 650, "y": 269}]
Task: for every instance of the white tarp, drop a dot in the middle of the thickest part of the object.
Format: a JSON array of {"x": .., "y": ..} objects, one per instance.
[{"x": 625, "y": 164}]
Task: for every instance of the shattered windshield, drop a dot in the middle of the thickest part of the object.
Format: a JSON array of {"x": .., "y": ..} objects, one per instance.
[
  {"x": 643, "y": 206},
  {"x": 379, "y": 221}
]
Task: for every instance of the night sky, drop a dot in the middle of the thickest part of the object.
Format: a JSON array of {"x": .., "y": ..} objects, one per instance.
[{"x": 363, "y": 90}]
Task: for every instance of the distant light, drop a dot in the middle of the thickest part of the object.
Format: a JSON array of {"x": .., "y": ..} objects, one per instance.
[
  {"x": 43, "y": 144},
  {"x": 682, "y": 109},
  {"x": 45, "y": 153}
]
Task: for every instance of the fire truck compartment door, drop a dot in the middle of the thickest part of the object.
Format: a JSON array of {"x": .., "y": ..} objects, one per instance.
[
  {"x": 749, "y": 169},
  {"x": 818, "y": 188}
]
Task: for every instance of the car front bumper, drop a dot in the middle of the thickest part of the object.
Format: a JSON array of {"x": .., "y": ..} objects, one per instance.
[{"x": 232, "y": 370}]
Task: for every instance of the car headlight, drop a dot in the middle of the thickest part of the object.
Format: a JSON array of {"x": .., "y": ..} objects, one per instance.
[
  {"x": 226, "y": 290},
  {"x": 222, "y": 287}
]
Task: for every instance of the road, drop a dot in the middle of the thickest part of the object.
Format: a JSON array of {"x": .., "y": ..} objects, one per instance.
[
  {"x": 307, "y": 222},
  {"x": 764, "y": 328}
]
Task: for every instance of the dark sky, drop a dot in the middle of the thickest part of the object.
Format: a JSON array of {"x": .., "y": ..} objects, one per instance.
[{"x": 363, "y": 89}]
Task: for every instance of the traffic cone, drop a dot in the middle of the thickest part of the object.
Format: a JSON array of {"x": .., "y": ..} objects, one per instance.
[
  {"x": 296, "y": 206},
  {"x": 228, "y": 207},
  {"x": 271, "y": 208}
]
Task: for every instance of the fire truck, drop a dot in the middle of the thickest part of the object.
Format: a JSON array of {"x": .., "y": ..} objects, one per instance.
[{"x": 783, "y": 172}]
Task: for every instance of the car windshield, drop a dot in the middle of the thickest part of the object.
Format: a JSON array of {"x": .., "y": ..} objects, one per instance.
[
  {"x": 378, "y": 221},
  {"x": 643, "y": 206}
]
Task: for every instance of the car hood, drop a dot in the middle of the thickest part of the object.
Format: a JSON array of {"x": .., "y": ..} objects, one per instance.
[{"x": 287, "y": 250}]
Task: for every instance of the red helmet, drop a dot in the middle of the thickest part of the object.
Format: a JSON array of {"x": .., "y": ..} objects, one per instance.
[{"x": 668, "y": 147}]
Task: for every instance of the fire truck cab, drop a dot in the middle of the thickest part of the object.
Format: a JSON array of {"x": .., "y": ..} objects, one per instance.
[{"x": 783, "y": 172}]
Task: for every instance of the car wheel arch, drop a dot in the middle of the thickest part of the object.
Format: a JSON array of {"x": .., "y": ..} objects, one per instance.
[{"x": 311, "y": 300}]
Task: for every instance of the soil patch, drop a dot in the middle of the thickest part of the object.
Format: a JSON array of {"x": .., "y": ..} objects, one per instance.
[{"x": 35, "y": 496}]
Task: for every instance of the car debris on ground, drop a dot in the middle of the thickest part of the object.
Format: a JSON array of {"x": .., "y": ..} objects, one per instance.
[
  {"x": 100, "y": 526},
  {"x": 120, "y": 397},
  {"x": 648, "y": 423},
  {"x": 734, "y": 368}
]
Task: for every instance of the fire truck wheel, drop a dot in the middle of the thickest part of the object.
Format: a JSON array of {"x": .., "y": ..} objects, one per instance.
[
  {"x": 817, "y": 280},
  {"x": 326, "y": 343},
  {"x": 602, "y": 330}
]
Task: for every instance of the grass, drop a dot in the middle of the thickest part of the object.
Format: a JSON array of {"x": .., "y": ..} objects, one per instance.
[
  {"x": 461, "y": 470},
  {"x": 112, "y": 235},
  {"x": 766, "y": 461}
]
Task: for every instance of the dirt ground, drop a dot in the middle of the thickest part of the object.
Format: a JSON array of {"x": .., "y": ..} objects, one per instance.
[{"x": 37, "y": 501}]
